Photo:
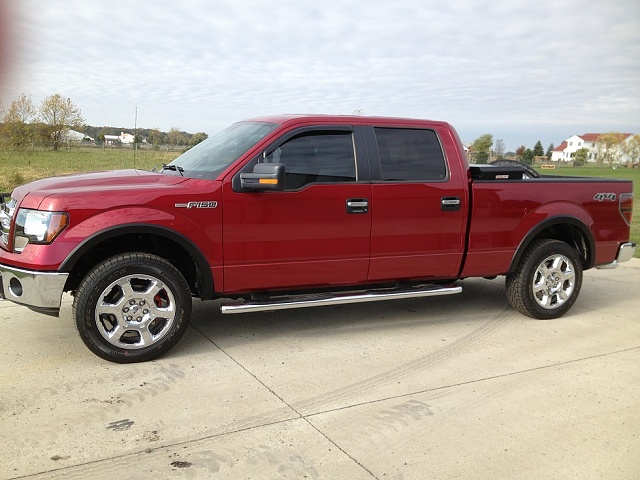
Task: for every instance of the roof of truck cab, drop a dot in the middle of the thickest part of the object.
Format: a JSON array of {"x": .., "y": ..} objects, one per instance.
[{"x": 321, "y": 119}]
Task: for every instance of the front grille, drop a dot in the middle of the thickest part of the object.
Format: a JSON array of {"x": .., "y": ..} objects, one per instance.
[{"x": 7, "y": 209}]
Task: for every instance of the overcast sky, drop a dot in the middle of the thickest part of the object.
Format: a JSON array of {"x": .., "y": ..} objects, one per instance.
[{"x": 520, "y": 70}]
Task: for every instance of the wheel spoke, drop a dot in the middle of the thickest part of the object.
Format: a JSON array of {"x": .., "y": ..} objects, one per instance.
[
  {"x": 127, "y": 289},
  {"x": 563, "y": 295},
  {"x": 543, "y": 270},
  {"x": 146, "y": 337},
  {"x": 115, "y": 334},
  {"x": 544, "y": 299},
  {"x": 158, "y": 288},
  {"x": 108, "y": 309},
  {"x": 556, "y": 264},
  {"x": 567, "y": 275}
]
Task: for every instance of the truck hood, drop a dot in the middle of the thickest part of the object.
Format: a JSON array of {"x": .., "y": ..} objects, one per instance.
[{"x": 116, "y": 183}]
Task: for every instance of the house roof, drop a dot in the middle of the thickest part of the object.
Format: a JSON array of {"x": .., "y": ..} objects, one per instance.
[
  {"x": 593, "y": 137},
  {"x": 560, "y": 147},
  {"x": 590, "y": 137}
]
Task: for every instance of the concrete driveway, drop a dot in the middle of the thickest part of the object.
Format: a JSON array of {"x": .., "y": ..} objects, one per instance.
[{"x": 450, "y": 387}]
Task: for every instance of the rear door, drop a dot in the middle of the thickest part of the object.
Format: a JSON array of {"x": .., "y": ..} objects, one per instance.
[
  {"x": 419, "y": 204},
  {"x": 314, "y": 233}
]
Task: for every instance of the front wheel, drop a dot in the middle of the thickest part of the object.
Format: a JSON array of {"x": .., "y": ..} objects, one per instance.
[
  {"x": 547, "y": 280},
  {"x": 132, "y": 307}
]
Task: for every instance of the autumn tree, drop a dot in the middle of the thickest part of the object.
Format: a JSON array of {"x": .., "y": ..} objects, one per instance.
[
  {"x": 481, "y": 148},
  {"x": 580, "y": 157},
  {"x": 499, "y": 149},
  {"x": 57, "y": 115},
  {"x": 17, "y": 121},
  {"x": 196, "y": 138},
  {"x": 632, "y": 149},
  {"x": 155, "y": 137},
  {"x": 176, "y": 137},
  {"x": 609, "y": 148}
]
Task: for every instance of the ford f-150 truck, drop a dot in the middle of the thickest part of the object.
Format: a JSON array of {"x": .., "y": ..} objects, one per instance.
[{"x": 295, "y": 211}]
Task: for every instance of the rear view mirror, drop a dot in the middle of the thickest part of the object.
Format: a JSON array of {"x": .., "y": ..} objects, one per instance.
[{"x": 265, "y": 176}]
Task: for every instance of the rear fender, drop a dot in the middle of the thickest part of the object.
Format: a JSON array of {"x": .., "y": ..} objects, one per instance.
[{"x": 571, "y": 230}]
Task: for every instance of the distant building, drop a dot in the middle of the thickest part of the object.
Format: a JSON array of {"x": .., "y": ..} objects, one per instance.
[
  {"x": 75, "y": 136},
  {"x": 124, "y": 138},
  {"x": 567, "y": 149}
]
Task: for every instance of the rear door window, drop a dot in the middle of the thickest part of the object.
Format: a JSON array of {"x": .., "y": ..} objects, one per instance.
[{"x": 410, "y": 155}]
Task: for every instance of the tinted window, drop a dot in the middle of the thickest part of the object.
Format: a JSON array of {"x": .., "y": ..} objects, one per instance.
[
  {"x": 317, "y": 157},
  {"x": 407, "y": 154}
]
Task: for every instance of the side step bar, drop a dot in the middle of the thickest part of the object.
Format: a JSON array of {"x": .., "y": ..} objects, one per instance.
[{"x": 300, "y": 301}]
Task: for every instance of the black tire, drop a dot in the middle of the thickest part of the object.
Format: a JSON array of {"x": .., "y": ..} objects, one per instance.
[
  {"x": 132, "y": 307},
  {"x": 547, "y": 280},
  {"x": 530, "y": 171}
]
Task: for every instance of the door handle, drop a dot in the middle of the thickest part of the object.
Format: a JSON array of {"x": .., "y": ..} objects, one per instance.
[
  {"x": 450, "y": 204},
  {"x": 357, "y": 205}
]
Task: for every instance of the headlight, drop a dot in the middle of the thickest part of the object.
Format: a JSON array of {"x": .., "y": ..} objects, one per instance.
[{"x": 35, "y": 226}]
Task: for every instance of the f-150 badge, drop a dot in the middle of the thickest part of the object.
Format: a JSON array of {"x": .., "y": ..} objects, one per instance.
[{"x": 197, "y": 205}]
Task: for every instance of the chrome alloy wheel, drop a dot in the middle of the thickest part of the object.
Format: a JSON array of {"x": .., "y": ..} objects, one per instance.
[
  {"x": 553, "y": 281},
  {"x": 135, "y": 312}
]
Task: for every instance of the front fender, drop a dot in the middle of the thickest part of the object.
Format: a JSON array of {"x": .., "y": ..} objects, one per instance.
[
  {"x": 195, "y": 235},
  {"x": 98, "y": 238}
]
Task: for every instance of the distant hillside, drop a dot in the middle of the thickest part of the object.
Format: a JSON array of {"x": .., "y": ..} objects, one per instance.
[{"x": 151, "y": 135}]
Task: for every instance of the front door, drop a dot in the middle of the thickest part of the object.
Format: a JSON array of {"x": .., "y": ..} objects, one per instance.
[{"x": 314, "y": 233}]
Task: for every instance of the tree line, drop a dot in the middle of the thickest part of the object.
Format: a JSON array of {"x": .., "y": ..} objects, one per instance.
[
  {"x": 610, "y": 148},
  {"x": 24, "y": 124},
  {"x": 482, "y": 150}
]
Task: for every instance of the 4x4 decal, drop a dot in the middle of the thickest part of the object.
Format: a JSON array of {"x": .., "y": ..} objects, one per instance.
[{"x": 601, "y": 197}]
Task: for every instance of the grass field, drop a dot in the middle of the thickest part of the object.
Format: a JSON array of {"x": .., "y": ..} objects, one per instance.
[{"x": 18, "y": 167}]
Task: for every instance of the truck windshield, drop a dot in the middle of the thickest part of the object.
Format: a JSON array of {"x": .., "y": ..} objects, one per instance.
[{"x": 210, "y": 157}]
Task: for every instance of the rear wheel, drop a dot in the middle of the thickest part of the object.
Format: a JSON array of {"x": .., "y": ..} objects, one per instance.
[
  {"x": 547, "y": 280},
  {"x": 132, "y": 308}
]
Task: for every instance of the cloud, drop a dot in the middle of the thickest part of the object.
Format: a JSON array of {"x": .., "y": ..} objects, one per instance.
[{"x": 522, "y": 67}]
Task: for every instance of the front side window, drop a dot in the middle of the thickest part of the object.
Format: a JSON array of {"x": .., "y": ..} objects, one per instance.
[
  {"x": 316, "y": 157},
  {"x": 410, "y": 155},
  {"x": 210, "y": 158}
]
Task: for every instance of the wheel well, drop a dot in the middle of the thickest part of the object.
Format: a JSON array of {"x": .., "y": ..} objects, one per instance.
[
  {"x": 572, "y": 232},
  {"x": 151, "y": 243}
]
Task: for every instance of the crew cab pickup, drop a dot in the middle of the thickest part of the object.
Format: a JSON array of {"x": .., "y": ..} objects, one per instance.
[{"x": 296, "y": 211}]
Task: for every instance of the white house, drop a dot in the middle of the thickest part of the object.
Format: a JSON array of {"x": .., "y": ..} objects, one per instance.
[
  {"x": 75, "y": 136},
  {"x": 124, "y": 138},
  {"x": 567, "y": 149}
]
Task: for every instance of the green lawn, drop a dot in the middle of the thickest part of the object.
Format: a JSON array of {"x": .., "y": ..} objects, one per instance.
[{"x": 22, "y": 166}]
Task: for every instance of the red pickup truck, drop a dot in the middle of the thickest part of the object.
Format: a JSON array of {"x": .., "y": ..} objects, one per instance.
[{"x": 295, "y": 211}]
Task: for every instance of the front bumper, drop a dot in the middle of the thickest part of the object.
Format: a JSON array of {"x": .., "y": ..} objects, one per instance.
[{"x": 40, "y": 291}]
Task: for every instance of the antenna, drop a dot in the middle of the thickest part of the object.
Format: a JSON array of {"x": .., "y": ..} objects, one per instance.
[{"x": 135, "y": 137}]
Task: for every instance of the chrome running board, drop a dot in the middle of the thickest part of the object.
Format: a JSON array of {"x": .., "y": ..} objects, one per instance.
[{"x": 301, "y": 301}]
